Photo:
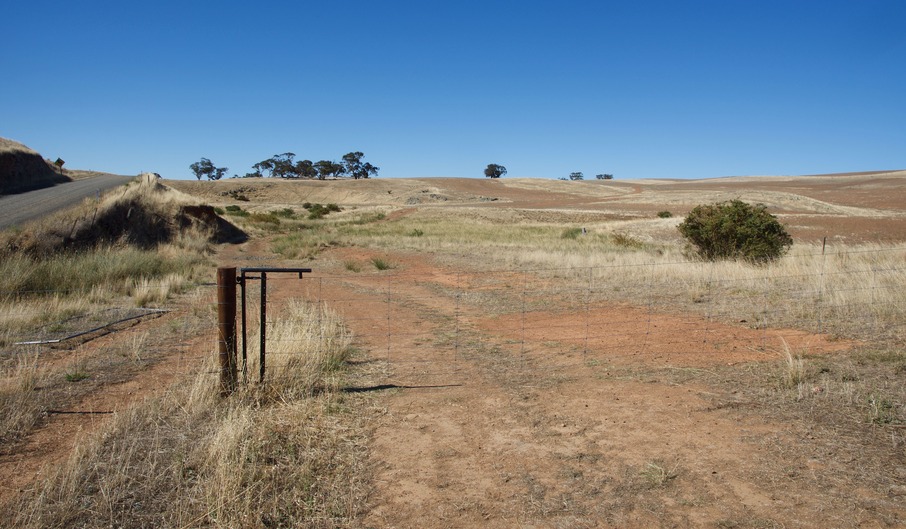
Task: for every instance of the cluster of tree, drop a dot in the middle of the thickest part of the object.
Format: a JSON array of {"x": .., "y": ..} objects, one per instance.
[
  {"x": 579, "y": 175},
  {"x": 284, "y": 166},
  {"x": 206, "y": 168}
]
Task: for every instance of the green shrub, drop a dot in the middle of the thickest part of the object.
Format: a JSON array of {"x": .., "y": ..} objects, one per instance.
[
  {"x": 316, "y": 212},
  {"x": 264, "y": 218},
  {"x": 236, "y": 211},
  {"x": 416, "y": 233},
  {"x": 381, "y": 264},
  {"x": 735, "y": 230},
  {"x": 285, "y": 213},
  {"x": 664, "y": 214}
]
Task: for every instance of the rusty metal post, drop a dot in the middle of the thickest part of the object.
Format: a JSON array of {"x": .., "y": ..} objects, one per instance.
[
  {"x": 263, "y": 323},
  {"x": 226, "y": 328},
  {"x": 242, "y": 281}
]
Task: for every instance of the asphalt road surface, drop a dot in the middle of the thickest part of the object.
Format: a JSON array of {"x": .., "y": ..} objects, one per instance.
[{"x": 23, "y": 207}]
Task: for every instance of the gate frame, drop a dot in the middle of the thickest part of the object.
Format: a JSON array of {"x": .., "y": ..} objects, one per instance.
[{"x": 262, "y": 276}]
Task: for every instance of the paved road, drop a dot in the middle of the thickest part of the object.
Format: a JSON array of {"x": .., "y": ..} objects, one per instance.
[{"x": 23, "y": 207}]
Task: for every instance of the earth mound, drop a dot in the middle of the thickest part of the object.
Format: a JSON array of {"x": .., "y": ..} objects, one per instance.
[
  {"x": 145, "y": 215},
  {"x": 22, "y": 169}
]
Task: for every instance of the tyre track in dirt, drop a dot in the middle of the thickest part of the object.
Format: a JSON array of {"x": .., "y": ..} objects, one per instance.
[{"x": 481, "y": 435}]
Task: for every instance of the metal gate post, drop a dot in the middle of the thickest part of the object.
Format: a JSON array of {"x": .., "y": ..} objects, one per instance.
[
  {"x": 241, "y": 281},
  {"x": 262, "y": 276},
  {"x": 263, "y": 322}
]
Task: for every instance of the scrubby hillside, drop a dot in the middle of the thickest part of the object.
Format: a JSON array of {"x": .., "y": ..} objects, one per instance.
[
  {"x": 22, "y": 169},
  {"x": 145, "y": 215}
]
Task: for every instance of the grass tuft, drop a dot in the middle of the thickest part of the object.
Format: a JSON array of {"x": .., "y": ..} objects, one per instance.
[{"x": 381, "y": 264}]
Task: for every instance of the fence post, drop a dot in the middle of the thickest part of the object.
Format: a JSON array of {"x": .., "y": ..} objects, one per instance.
[
  {"x": 226, "y": 328},
  {"x": 261, "y": 348}
]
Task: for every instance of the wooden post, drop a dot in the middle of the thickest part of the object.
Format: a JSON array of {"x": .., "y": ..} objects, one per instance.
[{"x": 226, "y": 328}]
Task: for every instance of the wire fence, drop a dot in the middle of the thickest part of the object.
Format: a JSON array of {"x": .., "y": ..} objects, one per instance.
[{"x": 423, "y": 324}]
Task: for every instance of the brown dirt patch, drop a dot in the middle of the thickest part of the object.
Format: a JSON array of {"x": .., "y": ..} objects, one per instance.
[{"x": 507, "y": 421}]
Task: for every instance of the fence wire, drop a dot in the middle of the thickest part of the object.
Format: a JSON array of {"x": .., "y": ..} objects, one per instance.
[{"x": 425, "y": 324}]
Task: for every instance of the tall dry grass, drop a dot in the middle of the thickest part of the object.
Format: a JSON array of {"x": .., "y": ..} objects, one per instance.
[
  {"x": 85, "y": 258},
  {"x": 20, "y": 409},
  {"x": 281, "y": 454}
]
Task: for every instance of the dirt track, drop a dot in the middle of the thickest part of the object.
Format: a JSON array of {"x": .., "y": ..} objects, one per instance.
[{"x": 479, "y": 434}]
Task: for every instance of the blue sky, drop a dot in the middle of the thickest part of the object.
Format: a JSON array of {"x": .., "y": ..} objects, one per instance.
[{"x": 644, "y": 89}]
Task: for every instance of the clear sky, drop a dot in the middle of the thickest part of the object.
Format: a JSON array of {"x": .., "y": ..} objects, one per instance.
[{"x": 639, "y": 89}]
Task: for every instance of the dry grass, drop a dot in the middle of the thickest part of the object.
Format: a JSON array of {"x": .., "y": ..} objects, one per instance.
[
  {"x": 829, "y": 291},
  {"x": 283, "y": 454},
  {"x": 54, "y": 292},
  {"x": 44, "y": 281},
  {"x": 794, "y": 374},
  {"x": 19, "y": 406}
]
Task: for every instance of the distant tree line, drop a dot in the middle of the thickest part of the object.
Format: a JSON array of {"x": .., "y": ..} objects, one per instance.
[
  {"x": 284, "y": 166},
  {"x": 579, "y": 175}
]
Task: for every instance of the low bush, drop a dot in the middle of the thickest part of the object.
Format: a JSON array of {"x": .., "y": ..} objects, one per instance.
[
  {"x": 735, "y": 230},
  {"x": 285, "y": 213},
  {"x": 236, "y": 211},
  {"x": 264, "y": 218}
]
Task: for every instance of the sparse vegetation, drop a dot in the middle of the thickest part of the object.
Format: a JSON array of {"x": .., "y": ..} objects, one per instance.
[
  {"x": 658, "y": 474},
  {"x": 285, "y": 213},
  {"x": 318, "y": 211},
  {"x": 76, "y": 376},
  {"x": 571, "y": 233},
  {"x": 626, "y": 241},
  {"x": 236, "y": 211}
]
